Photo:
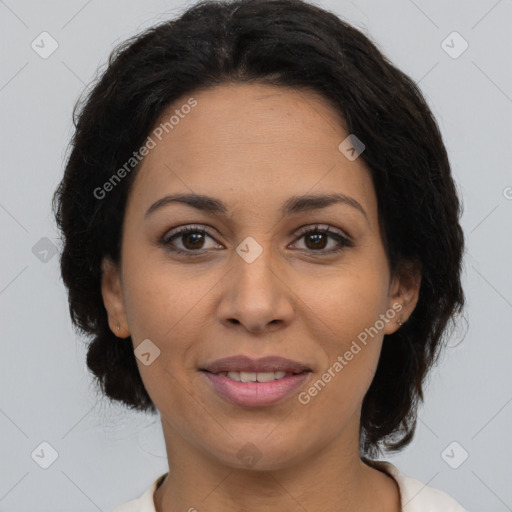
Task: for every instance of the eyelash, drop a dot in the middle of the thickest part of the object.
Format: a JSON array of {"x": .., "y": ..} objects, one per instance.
[{"x": 185, "y": 230}]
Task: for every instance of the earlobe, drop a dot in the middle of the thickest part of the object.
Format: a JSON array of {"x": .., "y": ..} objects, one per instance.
[{"x": 113, "y": 298}]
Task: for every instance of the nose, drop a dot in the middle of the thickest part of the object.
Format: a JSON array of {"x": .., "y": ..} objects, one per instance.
[{"x": 256, "y": 295}]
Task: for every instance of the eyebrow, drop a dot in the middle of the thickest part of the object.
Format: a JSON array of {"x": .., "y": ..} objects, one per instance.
[{"x": 293, "y": 205}]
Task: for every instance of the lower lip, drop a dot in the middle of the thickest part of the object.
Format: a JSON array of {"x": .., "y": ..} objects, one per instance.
[{"x": 256, "y": 394}]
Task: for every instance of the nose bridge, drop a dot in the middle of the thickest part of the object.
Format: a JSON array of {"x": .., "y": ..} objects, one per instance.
[
  {"x": 255, "y": 265},
  {"x": 256, "y": 294}
]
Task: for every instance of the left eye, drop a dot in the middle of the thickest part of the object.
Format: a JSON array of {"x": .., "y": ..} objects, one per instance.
[
  {"x": 319, "y": 236},
  {"x": 193, "y": 238}
]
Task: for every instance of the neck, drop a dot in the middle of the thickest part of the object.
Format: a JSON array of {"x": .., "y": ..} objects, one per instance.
[{"x": 332, "y": 480}]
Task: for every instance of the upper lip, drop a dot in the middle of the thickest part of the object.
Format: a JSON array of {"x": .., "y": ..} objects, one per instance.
[{"x": 247, "y": 364}]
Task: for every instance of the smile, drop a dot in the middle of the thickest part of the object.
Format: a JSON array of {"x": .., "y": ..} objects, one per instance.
[{"x": 255, "y": 376}]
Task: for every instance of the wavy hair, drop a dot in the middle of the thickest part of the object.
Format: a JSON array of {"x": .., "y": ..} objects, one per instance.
[{"x": 287, "y": 43}]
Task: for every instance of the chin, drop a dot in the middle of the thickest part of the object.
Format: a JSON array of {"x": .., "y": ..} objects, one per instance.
[{"x": 259, "y": 453}]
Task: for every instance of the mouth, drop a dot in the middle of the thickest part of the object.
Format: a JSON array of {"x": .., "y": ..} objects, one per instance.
[
  {"x": 267, "y": 376},
  {"x": 249, "y": 382}
]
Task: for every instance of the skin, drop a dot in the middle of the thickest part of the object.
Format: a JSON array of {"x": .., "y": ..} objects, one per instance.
[{"x": 253, "y": 146}]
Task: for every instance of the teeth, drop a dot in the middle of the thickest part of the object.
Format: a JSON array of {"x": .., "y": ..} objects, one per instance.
[
  {"x": 254, "y": 377},
  {"x": 248, "y": 377}
]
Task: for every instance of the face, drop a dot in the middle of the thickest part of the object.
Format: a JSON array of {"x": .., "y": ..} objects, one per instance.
[{"x": 249, "y": 278}]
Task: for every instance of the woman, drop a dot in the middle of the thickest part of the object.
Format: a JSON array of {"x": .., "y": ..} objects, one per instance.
[{"x": 262, "y": 239}]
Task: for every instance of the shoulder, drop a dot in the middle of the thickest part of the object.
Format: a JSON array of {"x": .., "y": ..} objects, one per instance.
[
  {"x": 144, "y": 503},
  {"x": 417, "y": 496}
]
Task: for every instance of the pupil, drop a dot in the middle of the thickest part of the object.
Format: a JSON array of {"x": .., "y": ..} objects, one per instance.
[
  {"x": 316, "y": 236},
  {"x": 199, "y": 240}
]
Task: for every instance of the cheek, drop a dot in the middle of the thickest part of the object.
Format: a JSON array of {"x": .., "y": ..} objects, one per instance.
[
  {"x": 160, "y": 296},
  {"x": 159, "y": 306},
  {"x": 353, "y": 300},
  {"x": 350, "y": 310}
]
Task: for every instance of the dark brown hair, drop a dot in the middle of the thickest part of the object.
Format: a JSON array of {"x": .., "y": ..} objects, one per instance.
[{"x": 288, "y": 43}]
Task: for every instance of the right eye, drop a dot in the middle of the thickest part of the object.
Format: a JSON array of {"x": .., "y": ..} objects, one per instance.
[{"x": 192, "y": 239}]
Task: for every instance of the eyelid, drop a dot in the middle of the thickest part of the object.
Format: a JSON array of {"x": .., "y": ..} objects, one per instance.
[
  {"x": 186, "y": 227},
  {"x": 322, "y": 228},
  {"x": 299, "y": 231}
]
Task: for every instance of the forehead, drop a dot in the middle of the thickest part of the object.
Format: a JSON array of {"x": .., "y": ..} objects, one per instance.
[
  {"x": 257, "y": 114},
  {"x": 252, "y": 145}
]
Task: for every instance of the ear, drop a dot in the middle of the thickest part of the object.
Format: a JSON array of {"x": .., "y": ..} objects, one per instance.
[
  {"x": 404, "y": 290},
  {"x": 113, "y": 298}
]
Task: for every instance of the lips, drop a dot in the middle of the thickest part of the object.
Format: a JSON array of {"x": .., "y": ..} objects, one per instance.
[
  {"x": 248, "y": 365},
  {"x": 248, "y": 382}
]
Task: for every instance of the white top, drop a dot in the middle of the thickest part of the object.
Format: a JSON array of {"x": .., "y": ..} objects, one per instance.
[{"x": 415, "y": 496}]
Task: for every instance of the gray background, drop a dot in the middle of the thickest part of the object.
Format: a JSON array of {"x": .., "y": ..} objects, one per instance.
[{"x": 107, "y": 455}]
